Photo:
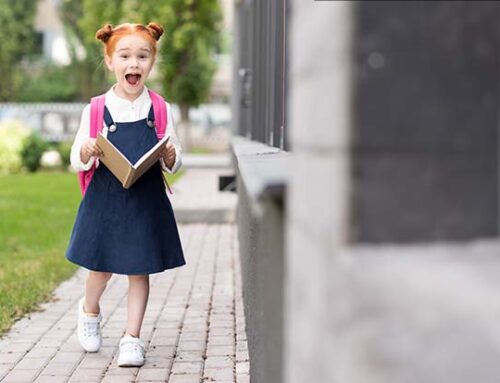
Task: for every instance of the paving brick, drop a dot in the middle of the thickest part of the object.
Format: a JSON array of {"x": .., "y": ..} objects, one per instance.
[
  {"x": 11, "y": 357},
  {"x": 20, "y": 376},
  {"x": 94, "y": 363},
  {"x": 219, "y": 362},
  {"x": 68, "y": 357},
  {"x": 187, "y": 367},
  {"x": 242, "y": 346},
  {"x": 32, "y": 363},
  {"x": 21, "y": 346},
  {"x": 4, "y": 369},
  {"x": 185, "y": 378},
  {"x": 158, "y": 362},
  {"x": 38, "y": 352},
  {"x": 219, "y": 331},
  {"x": 242, "y": 378},
  {"x": 196, "y": 336},
  {"x": 165, "y": 341},
  {"x": 223, "y": 340},
  {"x": 117, "y": 379},
  {"x": 220, "y": 350},
  {"x": 114, "y": 370},
  {"x": 152, "y": 374},
  {"x": 218, "y": 374},
  {"x": 242, "y": 367},
  {"x": 51, "y": 379},
  {"x": 87, "y": 375},
  {"x": 60, "y": 368},
  {"x": 50, "y": 343},
  {"x": 222, "y": 323},
  {"x": 161, "y": 351},
  {"x": 191, "y": 345},
  {"x": 189, "y": 356},
  {"x": 242, "y": 356}
]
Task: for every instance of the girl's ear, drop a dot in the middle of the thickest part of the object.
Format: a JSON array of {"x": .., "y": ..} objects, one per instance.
[{"x": 109, "y": 62}]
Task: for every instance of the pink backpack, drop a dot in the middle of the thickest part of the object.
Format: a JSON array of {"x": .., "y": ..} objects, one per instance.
[{"x": 96, "y": 120}]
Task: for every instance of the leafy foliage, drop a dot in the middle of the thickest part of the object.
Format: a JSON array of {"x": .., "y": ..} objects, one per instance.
[
  {"x": 48, "y": 83},
  {"x": 82, "y": 19},
  {"x": 12, "y": 135},
  {"x": 186, "y": 54},
  {"x": 31, "y": 153},
  {"x": 16, "y": 36},
  {"x": 188, "y": 51}
]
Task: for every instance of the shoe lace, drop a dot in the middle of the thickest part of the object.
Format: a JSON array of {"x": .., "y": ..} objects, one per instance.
[
  {"x": 90, "y": 329},
  {"x": 132, "y": 347}
]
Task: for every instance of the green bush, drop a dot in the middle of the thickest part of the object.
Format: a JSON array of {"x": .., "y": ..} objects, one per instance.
[
  {"x": 12, "y": 135},
  {"x": 48, "y": 83},
  {"x": 33, "y": 148},
  {"x": 64, "y": 149}
]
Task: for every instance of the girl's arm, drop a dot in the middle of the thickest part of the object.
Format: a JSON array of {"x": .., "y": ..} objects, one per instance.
[
  {"x": 81, "y": 137},
  {"x": 175, "y": 141}
]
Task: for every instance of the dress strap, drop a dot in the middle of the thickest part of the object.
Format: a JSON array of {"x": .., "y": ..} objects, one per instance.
[
  {"x": 151, "y": 114},
  {"x": 108, "y": 120},
  {"x": 151, "y": 117}
]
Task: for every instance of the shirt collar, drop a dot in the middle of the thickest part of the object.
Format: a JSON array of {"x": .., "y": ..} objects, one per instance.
[{"x": 114, "y": 101}]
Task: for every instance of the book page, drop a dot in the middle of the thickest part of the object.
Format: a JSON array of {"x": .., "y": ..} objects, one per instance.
[
  {"x": 114, "y": 160},
  {"x": 155, "y": 150},
  {"x": 148, "y": 159}
]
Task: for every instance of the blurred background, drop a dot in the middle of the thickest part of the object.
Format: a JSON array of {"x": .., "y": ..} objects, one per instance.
[{"x": 53, "y": 64}]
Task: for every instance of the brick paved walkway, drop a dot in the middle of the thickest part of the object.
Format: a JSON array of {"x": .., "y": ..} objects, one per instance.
[{"x": 194, "y": 327}]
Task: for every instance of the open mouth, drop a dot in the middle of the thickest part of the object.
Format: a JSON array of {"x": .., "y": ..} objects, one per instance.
[{"x": 132, "y": 79}]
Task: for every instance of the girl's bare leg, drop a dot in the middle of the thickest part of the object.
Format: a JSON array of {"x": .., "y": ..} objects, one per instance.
[
  {"x": 94, "y": 287},
  {"x": 138, "y": 294}
]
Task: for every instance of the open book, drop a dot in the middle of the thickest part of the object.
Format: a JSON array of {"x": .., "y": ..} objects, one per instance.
[{"x": 121, "y": 167}]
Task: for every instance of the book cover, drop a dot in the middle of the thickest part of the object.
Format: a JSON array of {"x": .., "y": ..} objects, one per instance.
[{"x": 121, "y": 167}]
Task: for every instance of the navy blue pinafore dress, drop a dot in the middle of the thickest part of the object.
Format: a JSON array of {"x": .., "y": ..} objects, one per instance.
[{"x": 127, "y": 231}]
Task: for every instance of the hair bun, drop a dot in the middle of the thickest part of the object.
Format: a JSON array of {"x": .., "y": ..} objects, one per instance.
[
  {"x": 155, "y": 29},
  {"x": 104, "y": 33}
]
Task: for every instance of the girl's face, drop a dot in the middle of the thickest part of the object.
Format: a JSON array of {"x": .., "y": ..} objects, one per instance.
[{"x": 131, "y": 62}]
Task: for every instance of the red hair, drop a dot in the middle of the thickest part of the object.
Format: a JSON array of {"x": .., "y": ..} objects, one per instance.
[{"x": 110, "y": 35}]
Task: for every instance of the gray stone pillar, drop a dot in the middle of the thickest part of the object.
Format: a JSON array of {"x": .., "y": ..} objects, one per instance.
[
  {"x": 318, "y": 195},
  {"x": 425, "y": 130},
  {"x": 393, "y": 114}
]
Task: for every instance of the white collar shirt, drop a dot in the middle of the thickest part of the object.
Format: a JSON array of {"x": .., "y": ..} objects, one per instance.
[{"x": 123, "y": 110}]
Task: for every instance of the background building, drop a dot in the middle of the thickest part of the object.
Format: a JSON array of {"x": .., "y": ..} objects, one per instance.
[{"x": 50, "y": 33}]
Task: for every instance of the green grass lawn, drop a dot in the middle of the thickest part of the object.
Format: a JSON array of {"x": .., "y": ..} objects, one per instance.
[{"x": 37, "y": 212}]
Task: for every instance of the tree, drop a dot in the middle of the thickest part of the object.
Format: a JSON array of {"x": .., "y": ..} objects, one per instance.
[
  {"x": 16, "y": 36},
  {"x": 82, "y": 19},
  {"x": 186, "y": 53},
  {"x": 187, "y": 50},
  {"x": 193, "y": 34}
]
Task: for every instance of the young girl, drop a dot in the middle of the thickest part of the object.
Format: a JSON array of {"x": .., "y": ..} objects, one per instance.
[{"x": 124, "y": 231}]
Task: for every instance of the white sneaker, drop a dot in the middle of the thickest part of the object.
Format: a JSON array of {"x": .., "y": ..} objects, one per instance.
[
  {"x": 89, "y": 331},
  {"x": 131, "y": 352}
]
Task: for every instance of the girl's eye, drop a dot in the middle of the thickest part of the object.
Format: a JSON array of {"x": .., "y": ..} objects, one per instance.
[
  {"x": 143, "y": 57},
  {"x": 124, "y": 56}
]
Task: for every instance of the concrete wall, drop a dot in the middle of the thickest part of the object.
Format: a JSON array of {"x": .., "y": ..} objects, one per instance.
[
  {"x": 392, "y": 313},
  {"x": 392, "y": 119},
  {"x": 318, "y": 193},
  {"x": 260, "y": 170},
  {"x": 425, "y": 131}
]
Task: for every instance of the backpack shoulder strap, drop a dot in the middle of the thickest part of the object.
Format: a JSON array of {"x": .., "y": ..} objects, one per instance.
[
  {"x": 96, "y": 114},
  {"x": 161, "y": 116},
  {"x": 160, "y": 111}
]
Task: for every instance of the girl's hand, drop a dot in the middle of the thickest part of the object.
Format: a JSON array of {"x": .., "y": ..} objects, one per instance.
[
  {"x": 168, "y": 155},
  {"x": 89, "y": 149}
]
